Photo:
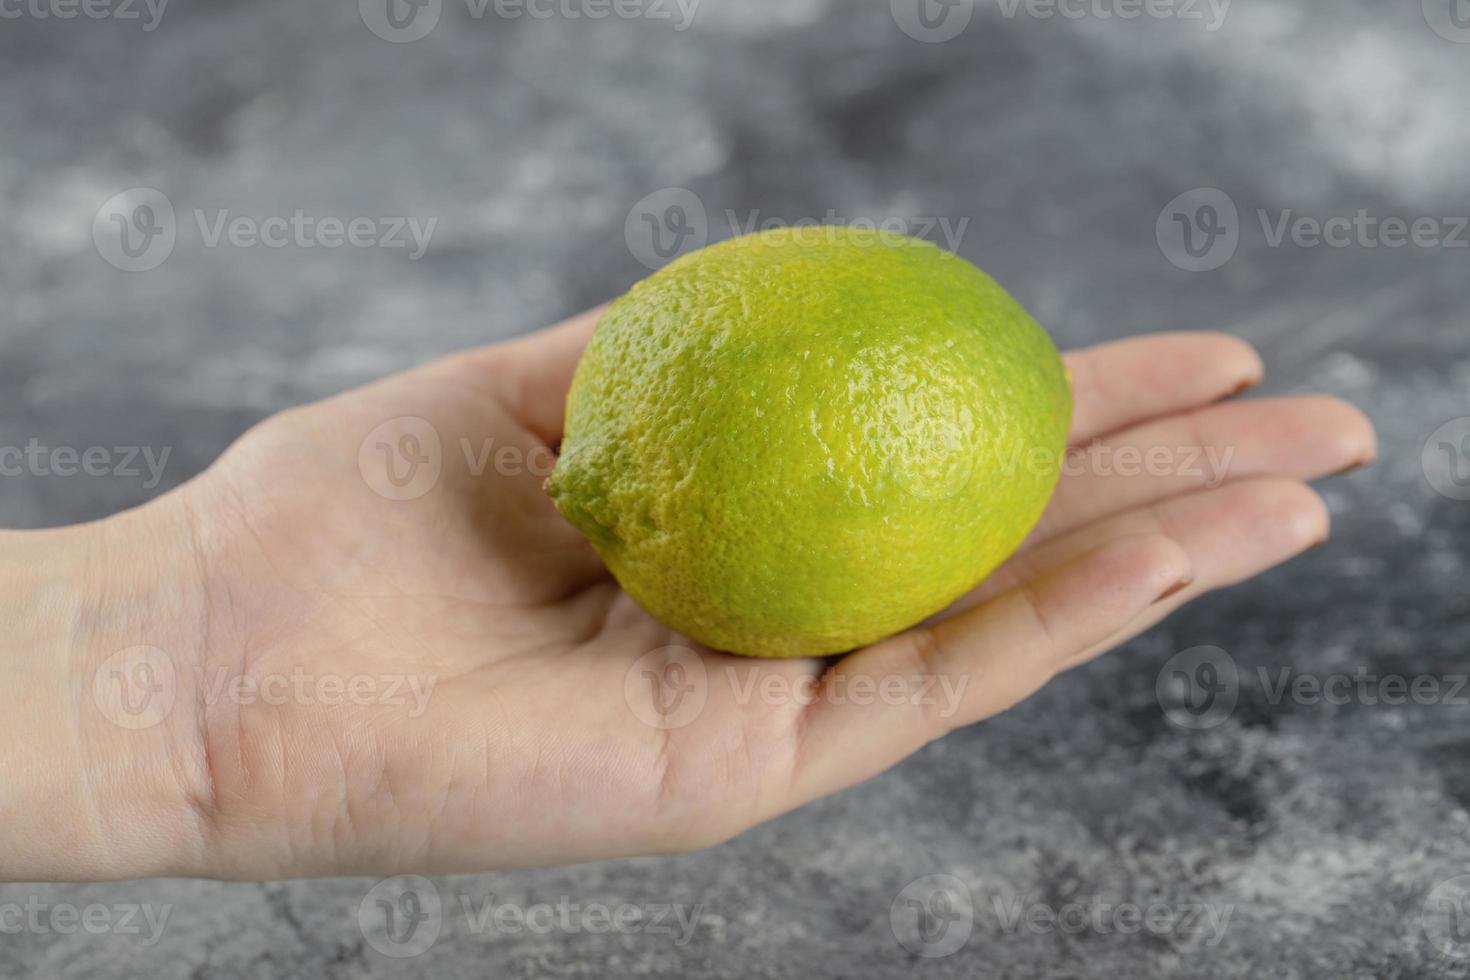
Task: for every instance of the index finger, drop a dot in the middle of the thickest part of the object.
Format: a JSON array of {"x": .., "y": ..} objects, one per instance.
[{"x": 1129, "y": 381}]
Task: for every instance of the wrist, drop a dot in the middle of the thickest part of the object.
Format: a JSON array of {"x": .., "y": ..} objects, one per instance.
[{"x": 101, "y": 761}]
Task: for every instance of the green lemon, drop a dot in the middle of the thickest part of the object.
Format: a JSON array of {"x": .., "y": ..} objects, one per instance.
[{"x": 801, "y": 441}]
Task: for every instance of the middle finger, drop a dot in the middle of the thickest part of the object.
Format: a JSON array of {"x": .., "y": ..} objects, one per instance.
[{"x": 1304, "y": 438}]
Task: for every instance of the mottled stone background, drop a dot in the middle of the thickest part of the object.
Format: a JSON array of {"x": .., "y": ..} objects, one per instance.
[{"x": 1058, "y": 142}]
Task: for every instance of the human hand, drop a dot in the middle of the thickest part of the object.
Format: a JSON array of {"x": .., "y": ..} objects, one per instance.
[{"x": 513, "y": 706}]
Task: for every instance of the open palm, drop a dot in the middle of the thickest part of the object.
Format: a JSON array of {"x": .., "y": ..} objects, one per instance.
[{"x": 460, "y": 686}]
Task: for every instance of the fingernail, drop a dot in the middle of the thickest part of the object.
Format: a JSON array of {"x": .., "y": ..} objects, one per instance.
[
  {"x": 1366, "y": 461},
  {"x": 1245, "y": 386},
  {"x": 1176, "y": 588}
]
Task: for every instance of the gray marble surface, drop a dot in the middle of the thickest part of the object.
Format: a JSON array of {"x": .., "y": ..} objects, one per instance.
[{"x": 1051, "y": 146}]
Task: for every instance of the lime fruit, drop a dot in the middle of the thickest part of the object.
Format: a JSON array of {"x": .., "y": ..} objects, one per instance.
[{"x": 801, "y": 441}]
